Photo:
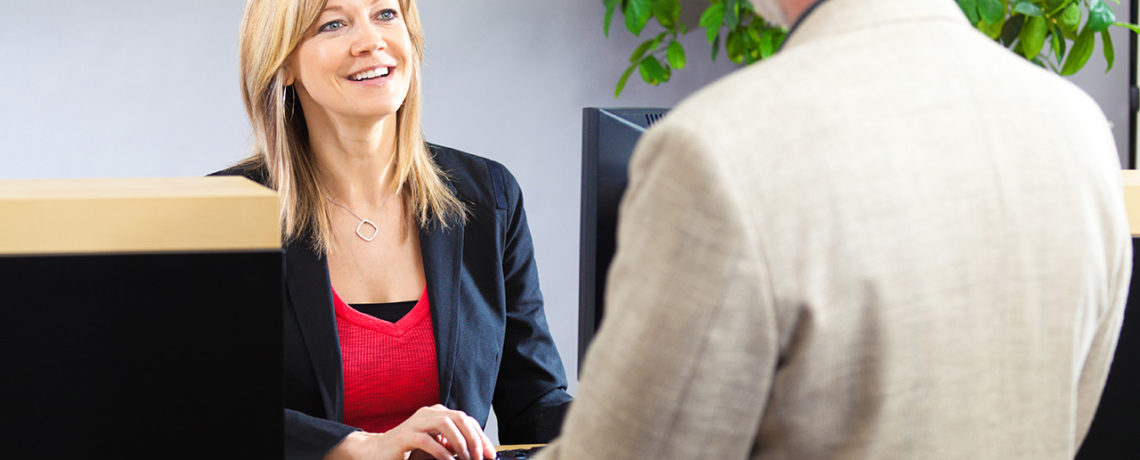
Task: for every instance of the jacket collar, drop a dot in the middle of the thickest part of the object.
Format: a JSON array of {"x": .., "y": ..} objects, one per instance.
[
  {"x": 442, "y": 252},
  {"x": 837, "y": 17}
]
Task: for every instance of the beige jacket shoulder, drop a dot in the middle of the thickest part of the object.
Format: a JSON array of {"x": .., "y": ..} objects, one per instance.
[{"x": 894, "y": 239}]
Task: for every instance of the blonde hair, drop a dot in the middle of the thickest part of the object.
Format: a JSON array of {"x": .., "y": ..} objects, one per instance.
[{"x": 270, "y": 31}]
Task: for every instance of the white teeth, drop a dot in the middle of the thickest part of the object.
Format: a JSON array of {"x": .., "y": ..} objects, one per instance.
[{"x": 381, "y": 72}]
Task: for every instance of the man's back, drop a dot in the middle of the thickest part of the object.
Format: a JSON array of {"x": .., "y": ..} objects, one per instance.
[{"x": 892, "y": 239}]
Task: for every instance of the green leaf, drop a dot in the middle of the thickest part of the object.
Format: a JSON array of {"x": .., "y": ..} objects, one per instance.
[
  {"x": 676, "y": 55},
  {"x": 1128, "y": 26},
  {"x": 992, "y": 30},
  {"x": 1011, "y": 29},
  {"x": 778, "y": 39},
  {"x": 1079, "y": 55},
  {"x": 651, "y": 71},
  {"x": 752, "y": 38},
  {"x": 715, "y": 46},
  {"x": 751, "y": 45},
  {"x": 1033, "y": 37},
  {"x": 1057, "y": 43},
  {"x": 1069, "y": 21},
  {"x": 1100, "y": 16},
  {"x": 1109, "y": 53},
  {"x": 624, "y": 79},
  {"x": 732, "y": 14},
  {"x": 611, "y": 5},
  {"x": 734, "y": 46},
  {"x": 768, "y": 44},
  {"x": 1027, "y": 8},
  {"x": 645, "y": 46},
  {"x": 637, "y": 13},
  {"x": 970, "y": 8},
  {"x": 668, "y": 12},
  {"x": 711, "y": 20},
  {"x": 992, "y": 11}
]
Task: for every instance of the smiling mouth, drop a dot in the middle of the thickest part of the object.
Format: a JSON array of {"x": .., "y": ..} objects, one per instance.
[{"x": 371, "y": 74}]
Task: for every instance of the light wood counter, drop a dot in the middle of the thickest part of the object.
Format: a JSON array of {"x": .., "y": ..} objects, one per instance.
[
  {"x": 70, "y": 216},
  {"x": 1131, "y": 180}
]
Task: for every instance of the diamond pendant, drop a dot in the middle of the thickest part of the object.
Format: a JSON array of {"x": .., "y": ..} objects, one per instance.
[{"x": 375, "y": 230}]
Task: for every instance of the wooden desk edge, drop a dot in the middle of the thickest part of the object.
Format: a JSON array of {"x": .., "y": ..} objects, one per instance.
[{"x": 1130, "y": 179}]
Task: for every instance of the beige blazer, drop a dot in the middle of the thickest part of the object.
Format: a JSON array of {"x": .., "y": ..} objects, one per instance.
[{"x": 894, "y": 239}]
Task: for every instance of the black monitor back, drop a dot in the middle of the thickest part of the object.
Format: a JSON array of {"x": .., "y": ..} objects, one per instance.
[
  {"x": 143, "y": 355},
  {"x": 608, "y": 139}
]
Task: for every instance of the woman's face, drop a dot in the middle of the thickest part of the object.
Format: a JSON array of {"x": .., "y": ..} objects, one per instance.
[{"x": 356, "y": 61}]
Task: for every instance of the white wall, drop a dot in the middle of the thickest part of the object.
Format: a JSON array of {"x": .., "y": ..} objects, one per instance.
[{"x": 150, "y": 88}]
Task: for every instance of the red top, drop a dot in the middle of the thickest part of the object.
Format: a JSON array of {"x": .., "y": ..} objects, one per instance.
[{"x": 389, "y": 368}]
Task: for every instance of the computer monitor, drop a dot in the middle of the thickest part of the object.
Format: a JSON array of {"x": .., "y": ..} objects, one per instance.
[{"x": 608, "y": 139}]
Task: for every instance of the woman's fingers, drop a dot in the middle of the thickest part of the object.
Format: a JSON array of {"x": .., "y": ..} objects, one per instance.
[
  {"x": 429, "y": 445},
  {"x": 474, "y": 444},
  {"x": 477, "y": 441},
  {"x": 488, "y": 446},
  {"x": 456, "y": 438},
  {"x": 442, "y": 423},
  {"x": 455, "y": 431}
]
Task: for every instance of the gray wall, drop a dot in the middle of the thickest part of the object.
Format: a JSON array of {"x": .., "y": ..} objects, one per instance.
[
  {"x": 512, "y": 87},
  {"x": 1110, "y": 89},
  {"x": 142, "y": 88}
]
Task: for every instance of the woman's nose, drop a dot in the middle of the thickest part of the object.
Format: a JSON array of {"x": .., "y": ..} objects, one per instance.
[{"x": 368, "y": 39}]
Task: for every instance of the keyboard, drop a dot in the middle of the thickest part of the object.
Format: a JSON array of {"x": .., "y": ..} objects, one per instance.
[{"x": 518, "y": 454}]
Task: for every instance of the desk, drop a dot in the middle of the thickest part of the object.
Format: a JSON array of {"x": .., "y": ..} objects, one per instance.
[{"x": 140, "y": 318}]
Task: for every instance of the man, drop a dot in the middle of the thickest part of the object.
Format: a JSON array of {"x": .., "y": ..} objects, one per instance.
[{"x": 893, "y": 239}]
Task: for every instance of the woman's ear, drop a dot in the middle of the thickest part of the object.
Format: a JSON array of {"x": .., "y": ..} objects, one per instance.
[{"x": 286, "y": 76}]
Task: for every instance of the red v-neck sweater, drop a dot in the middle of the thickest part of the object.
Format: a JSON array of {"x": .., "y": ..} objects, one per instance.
[{"x": 390, "y": 369}]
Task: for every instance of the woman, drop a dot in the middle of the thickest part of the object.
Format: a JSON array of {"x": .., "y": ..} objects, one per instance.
[{"x": 411, "y": 282}]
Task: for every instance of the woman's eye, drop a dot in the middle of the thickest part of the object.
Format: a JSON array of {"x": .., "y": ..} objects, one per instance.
[
  {"x": 331, "y": 26},
  {"x": 387, "y": 15}
]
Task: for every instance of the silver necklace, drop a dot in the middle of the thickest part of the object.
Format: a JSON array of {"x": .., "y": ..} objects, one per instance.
[{"x": 363, "y": 221}]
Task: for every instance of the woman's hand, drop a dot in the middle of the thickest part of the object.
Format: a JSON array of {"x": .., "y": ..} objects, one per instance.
[{"x": 432, "y": 432}]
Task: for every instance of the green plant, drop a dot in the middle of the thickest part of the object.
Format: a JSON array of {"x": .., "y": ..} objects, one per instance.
[
  {"x": 747, "y": 38},
  {"x": 1025, "y": 26}
]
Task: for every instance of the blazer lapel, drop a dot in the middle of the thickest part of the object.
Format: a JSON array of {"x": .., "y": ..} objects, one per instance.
[
  {"x": 308, "y": 281},
  {"x": 442, "y": 252}
]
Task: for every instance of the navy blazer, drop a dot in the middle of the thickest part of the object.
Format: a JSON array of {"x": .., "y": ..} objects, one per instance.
[{"x": 493, "y": 345}]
